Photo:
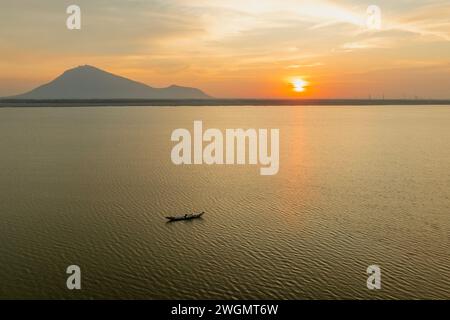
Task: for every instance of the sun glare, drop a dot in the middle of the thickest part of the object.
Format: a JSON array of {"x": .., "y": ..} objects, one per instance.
[{"x": 299, "y": 85}]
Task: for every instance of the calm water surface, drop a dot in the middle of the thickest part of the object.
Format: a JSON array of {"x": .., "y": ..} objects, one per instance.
[{"x": 357, "y": 186}]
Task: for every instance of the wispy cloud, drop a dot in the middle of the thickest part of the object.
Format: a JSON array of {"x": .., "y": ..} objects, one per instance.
[{"x": 308, "y": 65}]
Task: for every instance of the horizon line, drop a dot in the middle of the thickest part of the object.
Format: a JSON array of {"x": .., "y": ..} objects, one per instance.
[{"x": 12, "y": 102}]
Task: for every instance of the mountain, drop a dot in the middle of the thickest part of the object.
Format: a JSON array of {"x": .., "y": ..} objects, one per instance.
[{"x": 88, "y": 82}]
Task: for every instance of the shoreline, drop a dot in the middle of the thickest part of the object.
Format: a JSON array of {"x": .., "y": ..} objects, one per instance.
[{"x": 16, "y": 103}]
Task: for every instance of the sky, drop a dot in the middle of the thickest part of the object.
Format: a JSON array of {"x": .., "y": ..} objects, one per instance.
[{"x": 236, "y": 48}]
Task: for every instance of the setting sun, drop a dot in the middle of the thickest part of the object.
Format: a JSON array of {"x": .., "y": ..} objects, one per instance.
[{"x": 299, "y": 85}]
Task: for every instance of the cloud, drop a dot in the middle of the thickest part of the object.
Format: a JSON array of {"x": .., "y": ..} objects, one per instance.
[
  {"x": 372, "y": 43},
  {"x": 430, "y": 21},
  {"x": 308, "y": 65}
]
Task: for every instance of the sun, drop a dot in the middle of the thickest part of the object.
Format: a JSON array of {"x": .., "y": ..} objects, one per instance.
[{"x": 298, "y": 84}]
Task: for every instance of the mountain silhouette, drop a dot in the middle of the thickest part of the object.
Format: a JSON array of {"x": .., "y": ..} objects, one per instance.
[{"x": 88, "y": 82}]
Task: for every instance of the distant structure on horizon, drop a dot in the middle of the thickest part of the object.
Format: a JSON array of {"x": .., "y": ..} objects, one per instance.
[{"x": 88, "y": 82}]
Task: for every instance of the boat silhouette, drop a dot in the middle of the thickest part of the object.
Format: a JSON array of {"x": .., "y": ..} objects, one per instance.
[{"x": 185, "y": 217}]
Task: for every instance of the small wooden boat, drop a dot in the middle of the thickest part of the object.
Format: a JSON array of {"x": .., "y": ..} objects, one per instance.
[{"x": 185, "y": 217}]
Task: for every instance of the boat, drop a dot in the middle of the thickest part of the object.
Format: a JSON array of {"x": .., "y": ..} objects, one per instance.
[{"x": 185, "y": 217}]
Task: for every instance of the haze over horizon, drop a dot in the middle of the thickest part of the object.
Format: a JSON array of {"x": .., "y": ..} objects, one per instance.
[{"x": 235, "y": 49}]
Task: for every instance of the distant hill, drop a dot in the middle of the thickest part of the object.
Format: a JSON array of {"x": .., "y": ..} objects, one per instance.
[{"x": 88, "y": 82}]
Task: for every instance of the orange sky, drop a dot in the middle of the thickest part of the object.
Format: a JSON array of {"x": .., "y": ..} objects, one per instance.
[{"x": 235, "y": 48}]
